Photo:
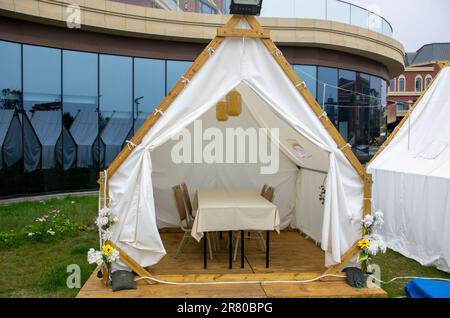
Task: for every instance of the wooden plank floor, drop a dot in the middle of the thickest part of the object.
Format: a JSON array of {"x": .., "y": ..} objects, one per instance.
[{"x": 292, "y": 258}]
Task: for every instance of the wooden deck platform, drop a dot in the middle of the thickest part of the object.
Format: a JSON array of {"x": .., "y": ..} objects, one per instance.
[{"x": 292, "y": 258}]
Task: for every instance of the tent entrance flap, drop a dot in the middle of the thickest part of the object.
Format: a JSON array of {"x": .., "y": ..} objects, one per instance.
[{"x": 276, "y": 111}]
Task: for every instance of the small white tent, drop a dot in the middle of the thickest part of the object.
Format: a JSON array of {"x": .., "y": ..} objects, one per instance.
[
  {"x": 117, "y": 131},
  {"x": 84, "y": 131},
  {"x": 412, "y": 179},
  {"x": 10, "y": 138},
  {"x": 45, "y": 136},
  {"x": 137, "y": 186}
]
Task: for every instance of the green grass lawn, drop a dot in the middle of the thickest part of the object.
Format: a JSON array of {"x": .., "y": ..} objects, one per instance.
[
  {"x": 34, "y": 269},
  {"x": 40, "y": 269}
]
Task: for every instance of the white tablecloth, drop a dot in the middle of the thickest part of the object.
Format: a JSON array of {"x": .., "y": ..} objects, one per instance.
[{"x": 233, "y": 210}]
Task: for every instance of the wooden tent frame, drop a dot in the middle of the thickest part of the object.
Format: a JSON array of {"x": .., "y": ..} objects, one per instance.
[
  {"x": 255, "y": 31},
  {"x": 386, "y": 143}
]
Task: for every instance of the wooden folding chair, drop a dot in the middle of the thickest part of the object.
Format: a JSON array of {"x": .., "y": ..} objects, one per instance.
[{"x": 186, "y": 221}]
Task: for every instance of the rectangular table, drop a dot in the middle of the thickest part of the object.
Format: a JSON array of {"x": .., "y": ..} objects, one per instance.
[{"x": 230, "y": 210}]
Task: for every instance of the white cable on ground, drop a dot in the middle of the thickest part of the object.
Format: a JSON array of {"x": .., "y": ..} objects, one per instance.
[
  {"x": 240, "y": 282},
  {"x": 408, "y": 277},
  {"x": 279, "y": 281}
]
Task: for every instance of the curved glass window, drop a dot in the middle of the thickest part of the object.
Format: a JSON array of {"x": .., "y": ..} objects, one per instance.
[
  {"x": 149, "y": 88},
  {"x": 308, "y": 74},
  {"x": 81, "y": 108},
  {"x": 80, "y": 118},
  {"x": 11, "y": 146},
  {"x": 116, "y": 106},
  {"x": 327, "y": 93},
  {"x": 42, "y": 122},
  {"x": 175, "y": 70}
]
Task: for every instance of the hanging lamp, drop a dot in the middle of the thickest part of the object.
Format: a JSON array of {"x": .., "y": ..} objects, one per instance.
[
  {"x": 221, "y": 111},
  {"x": 234, "y": 104}
]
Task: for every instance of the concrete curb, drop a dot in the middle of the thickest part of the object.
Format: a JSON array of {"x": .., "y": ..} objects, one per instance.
[{"x": 48, "y": 197}]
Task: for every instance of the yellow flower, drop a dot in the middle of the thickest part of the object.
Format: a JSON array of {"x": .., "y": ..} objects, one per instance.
[
  {"x": 107, "y": 249},
  {"x": 363, "y": 244}
]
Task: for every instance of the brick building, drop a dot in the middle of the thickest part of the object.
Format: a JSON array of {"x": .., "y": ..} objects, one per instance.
[{"x": 421, "y": 68}]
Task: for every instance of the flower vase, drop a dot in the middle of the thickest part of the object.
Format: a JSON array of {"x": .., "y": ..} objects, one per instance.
[{"x": 106, "y": 278}]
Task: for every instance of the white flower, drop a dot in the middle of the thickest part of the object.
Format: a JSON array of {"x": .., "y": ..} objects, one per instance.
[
  {"x": 114, "y": 256},
  {"x": 106, "y": 235},
  {"x": 104, "y": 212},
  {"x": 367, "y": 221},
  {"x": 94, "y": 257},
  {"x": 51, "y": 232},
  {"x": 73, "y": 202},
  {"x": 379, "y": 218},
  {"x": 102, "y": 221},
  {"x": 30, "y": 234},
  {"x": 115, "y": 219},
  {"x": 376, "y": 244}
]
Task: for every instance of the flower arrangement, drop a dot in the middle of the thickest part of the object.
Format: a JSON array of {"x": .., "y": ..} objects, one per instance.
[
  {"x": 104, "y": 259},
  {"x": 371, "y": 244},
  {"x": 107, "y": 255}
]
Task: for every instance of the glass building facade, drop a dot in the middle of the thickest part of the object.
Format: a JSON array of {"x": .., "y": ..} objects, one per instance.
[{"x": 65, "y": 115}]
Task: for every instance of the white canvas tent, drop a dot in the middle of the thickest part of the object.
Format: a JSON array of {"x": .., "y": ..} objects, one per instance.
[
  {"x": 412, "y": 180},
  {"x": 10, "y": 138},
  {"x": 138, "y": 183}
]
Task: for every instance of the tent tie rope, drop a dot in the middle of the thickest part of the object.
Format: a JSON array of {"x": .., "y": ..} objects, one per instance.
[
  {"x": 277, "y": 52},
  {"x": 131, "y": 145},
  {"x": 324, "y": 115},
  {"x": 301, "y": 84},
  {"x": 185, "y": 81},
  {"x": 345, "y": 146},
  {"x": 159, "y": 111},
  {"x": 211, "y": 51}
]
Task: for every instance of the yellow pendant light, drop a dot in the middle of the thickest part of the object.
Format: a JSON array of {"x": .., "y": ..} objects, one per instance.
[
  {"x": 234, "y": 103},
  {"x": 221, "y": 111}
]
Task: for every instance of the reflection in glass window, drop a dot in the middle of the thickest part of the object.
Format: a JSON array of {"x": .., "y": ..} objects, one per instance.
[
  {"x": 10, "y": 79},
  {"x": 42, "y": 101},
  {"x": 11, "y": 149},
  {"x": 327, "y": 95},
  {"x": 149, "y": 88},
  {"x": 175, "y": 70},
  {"x": 41, "y": 78},
  {"x": 308, "y": 74},
  {"x": 116, "y": 105},
  {"x": 348, "y": 101},
  {"x": 80, "y": 108}
]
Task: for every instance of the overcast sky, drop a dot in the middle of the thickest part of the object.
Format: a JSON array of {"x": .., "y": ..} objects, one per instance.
[{"x": 415, "y": 22}]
